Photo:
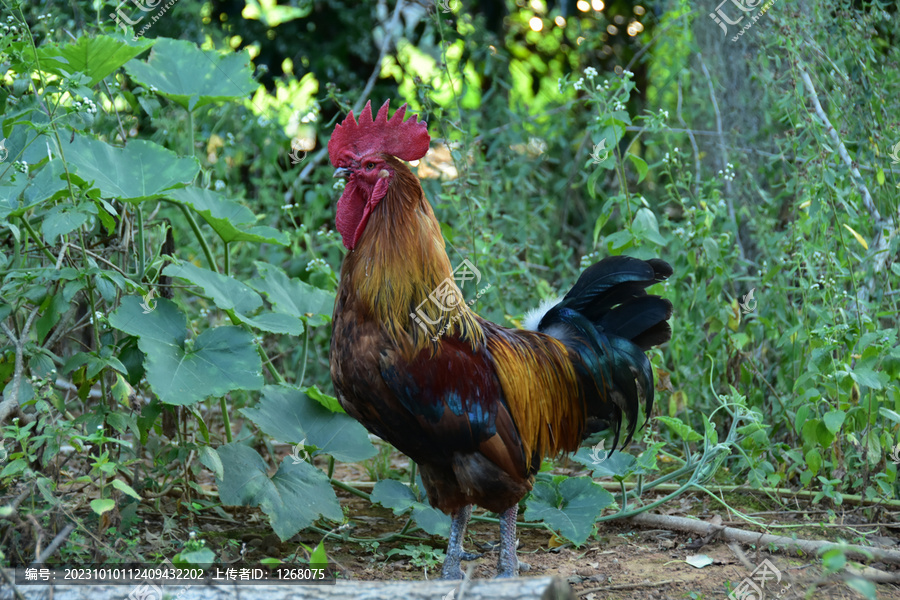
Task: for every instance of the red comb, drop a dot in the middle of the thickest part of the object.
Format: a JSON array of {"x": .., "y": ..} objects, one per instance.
[{"x": 351, "y": 140}]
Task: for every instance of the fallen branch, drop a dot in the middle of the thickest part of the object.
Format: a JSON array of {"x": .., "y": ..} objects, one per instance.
[{"x": 783, "y": 544}]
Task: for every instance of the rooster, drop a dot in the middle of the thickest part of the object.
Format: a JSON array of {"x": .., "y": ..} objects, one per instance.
[{"x": 476, "y": 405}]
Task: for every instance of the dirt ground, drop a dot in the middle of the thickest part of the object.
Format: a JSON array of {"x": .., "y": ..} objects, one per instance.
[{"x": 623, "y": 564}]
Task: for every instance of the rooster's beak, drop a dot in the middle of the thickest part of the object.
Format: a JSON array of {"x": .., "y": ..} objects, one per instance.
[{"x": 342, "y": 172}]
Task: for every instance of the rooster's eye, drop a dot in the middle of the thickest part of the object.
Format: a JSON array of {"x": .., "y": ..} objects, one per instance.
[{"x": 370, "y": 166}]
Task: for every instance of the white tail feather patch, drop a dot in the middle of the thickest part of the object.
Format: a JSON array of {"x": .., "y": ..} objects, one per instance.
[{"x": 533, "y": 317}]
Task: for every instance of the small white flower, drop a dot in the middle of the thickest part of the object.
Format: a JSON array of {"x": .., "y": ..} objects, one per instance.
[
  {"x": 579, "y": 84},
  {"x": 590, "y": 73}
]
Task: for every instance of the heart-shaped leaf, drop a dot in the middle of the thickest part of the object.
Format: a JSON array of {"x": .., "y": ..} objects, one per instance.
[
  {"x": 140, "y": 171},
  {"x": 94, "y": 56},
  {"x": 221, "y": 359},
  {"x": 233, "y": 222},
  {"x": 179, "y": 70},
  {"x": 296, "y": 496},
  {"x": 288, "y": 415},
  {"x": 570, "y": 508}
]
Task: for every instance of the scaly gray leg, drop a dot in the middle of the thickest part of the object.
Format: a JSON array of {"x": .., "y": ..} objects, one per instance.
[
  {"x": 455, "y": 554},
  {"x": 508, "y": 565}
]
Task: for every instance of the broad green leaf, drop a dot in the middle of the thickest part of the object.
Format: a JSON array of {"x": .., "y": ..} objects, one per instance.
[
  {"x": 681, "y": 429},
  {"x": 288, "y": 415},
  {"x": 210, "y": 459},
  {"x": 571, "y": 508},
  {"x": 646, "y": 227},
  {"x": 814, "y": 460},
  {"x": 640, "y": 165},
  {"x": 125, "y": 489},
  {"x": 293, "y": 499},
  {"x": 93, "y": 56},
  {"x": 102, "y": 505},
  {"x": 292, "y": 296},
  {"x": 202, "y": 557},
  {"x": 226, "y": 292},
  {"x": 179, "y": 70},
  {"x": 834, "y": 420},
  {"x": 616, "y": 464},
  {"x": 140, "y": 171},
  {"x": 274, "y": 323},
  {"x": 61, "y": 220},
  {"x": 869, "y": 378},
  {"x": 399, "y": 498},
  {"x": 329, "y": 402},
  {"x": 221, "y": 359},
  {"x": 233, "y": 222},
  {"x": 47, "y": 183}
]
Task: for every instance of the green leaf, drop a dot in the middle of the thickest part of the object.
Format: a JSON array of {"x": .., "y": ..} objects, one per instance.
[
  {"x": 182, "y": 72},
  {"x": 204, "y": 557},
  {"x": 646, "y": 226},
  {"x": 61, "y": 220},
  {"x": 571, "y": 508},
  {"x": 640, "y": 164},
  {"x": 681, "y": 429},
  {"x": 329, "y": 402},
  {"x": 288, "y": 415},
  {"x": 93, "y": 56},
  {"x": 125, "y": 489},
  {"x": 617, "y": 464},
  {"x": 869, "y": 378},
  {"x": 292, "y": 296},
  {"x": 222, "y": 359},
  {"x": 834, "y": 420},
  {"x": 210, "y": 459},
  {"x": 274, "y": 323},
  {"x": 227, "y": 293},
  {"x": 399, "y": 498},
  {"x": 293, "y": 499},
  {"x": 140, "y": 171},
  {"x": 233, "y": 222},
  {"x": 864, "y": 587},
  {"x": 102, "y": 505},
  {"x": 814, "y": 460}
]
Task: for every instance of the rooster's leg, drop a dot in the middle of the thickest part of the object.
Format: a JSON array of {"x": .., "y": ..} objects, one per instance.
[
  {"x": 455, "y": 554},
  {"x": 508, "y": 565}
]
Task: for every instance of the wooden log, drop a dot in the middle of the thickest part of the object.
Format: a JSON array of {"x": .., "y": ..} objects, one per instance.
[{"x": 530, "y": 588}]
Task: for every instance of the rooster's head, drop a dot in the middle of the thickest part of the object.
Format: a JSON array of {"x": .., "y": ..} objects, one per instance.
[{"x": 359, "y": 151}]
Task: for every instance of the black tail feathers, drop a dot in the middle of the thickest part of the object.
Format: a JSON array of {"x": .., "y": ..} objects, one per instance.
[{"x": 609, "y": 320}]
